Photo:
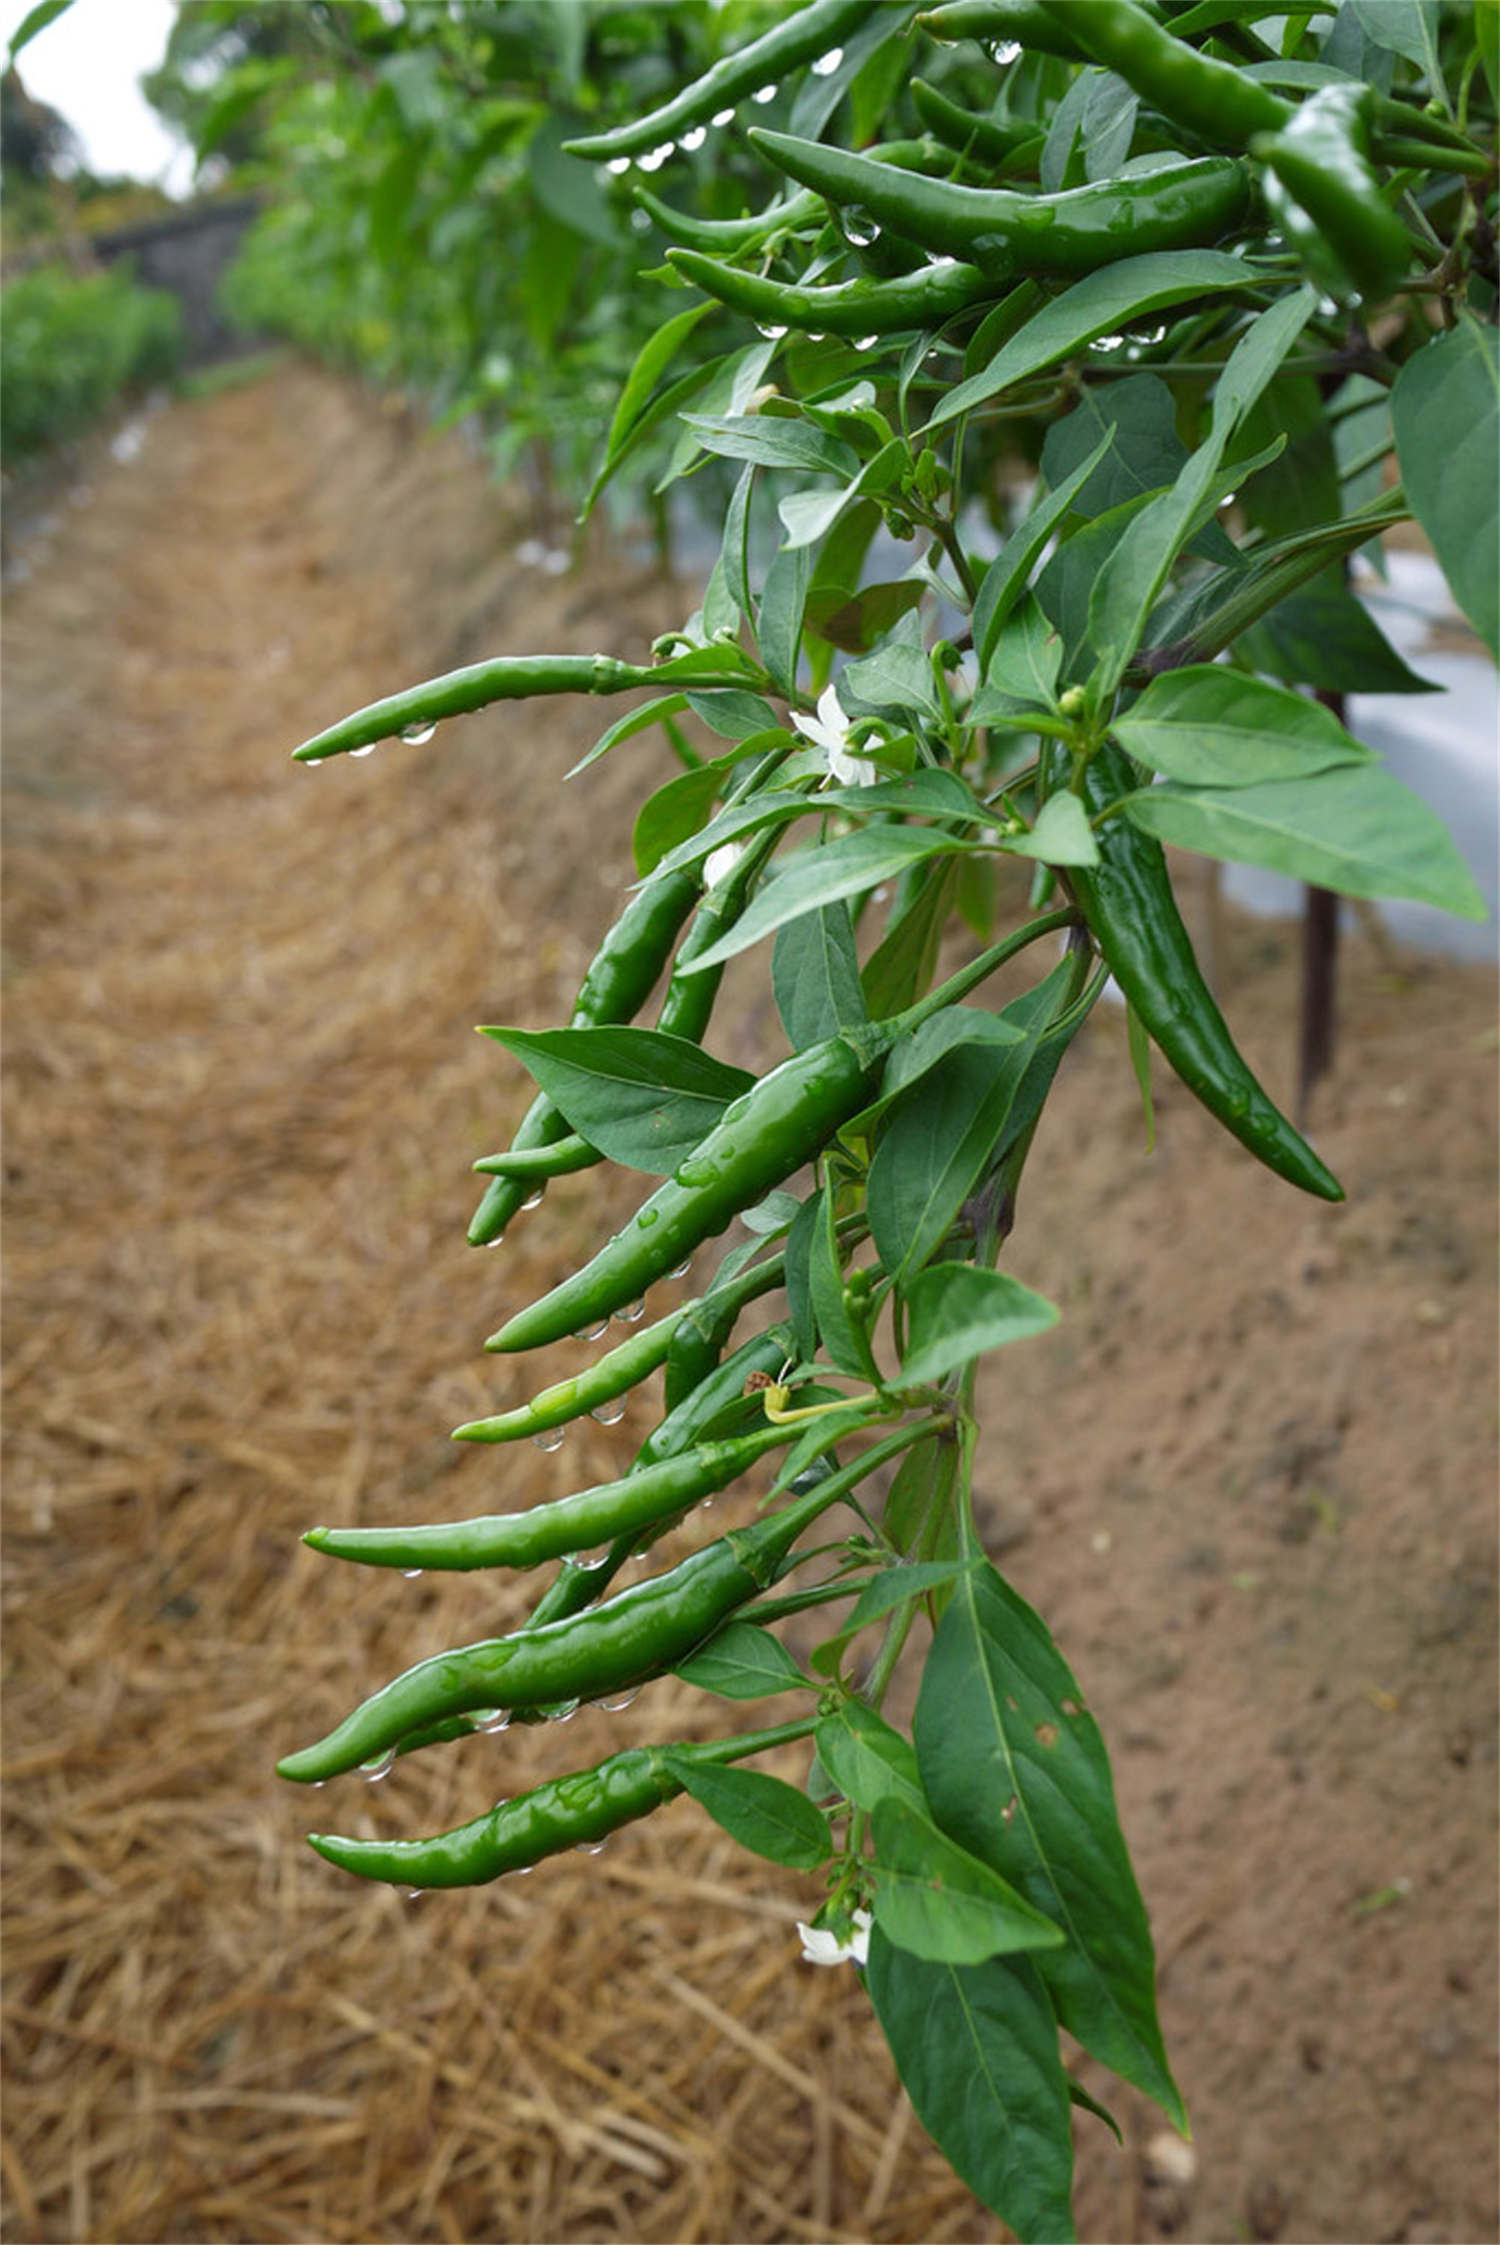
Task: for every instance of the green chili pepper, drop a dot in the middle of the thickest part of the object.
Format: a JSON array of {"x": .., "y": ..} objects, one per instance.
[
  {"x": 508, "y": 678},
  {"x": 803, "y": 36},
  {"x": 632, "y": 1637},
  {"x": 688, "y": 1000},
  {"x": 622, "y": 975},
  {"x": 1214, "y": 100},
  {"x": 540, "y": 1164},
  {"x": 1128, "y": 903},
  {"x": 762, "y": 1137},
  {"x": 547, "y": 1531},
  {"x": 1003, "y": 23},
  {"x": 1075, "y": 231},
  {"x": 576, "y": 1811},
  {"x": 993, "y": 138},
  {"x": 723, "y": 236},
  {"x": 623, "y": 1367},
  {"x": 859, "y": 307},
  {"x": 1324, "y": 195}
]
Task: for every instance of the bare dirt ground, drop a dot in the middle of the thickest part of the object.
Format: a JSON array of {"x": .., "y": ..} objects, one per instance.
[{"x": 1250, "y": 1479}]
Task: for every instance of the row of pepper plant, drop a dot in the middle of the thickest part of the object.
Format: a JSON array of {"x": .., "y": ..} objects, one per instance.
[{"x": 1225, "y": 274}]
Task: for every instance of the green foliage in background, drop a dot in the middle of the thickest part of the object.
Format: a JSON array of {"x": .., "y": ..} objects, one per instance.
[{"x": 70, "y": 345}]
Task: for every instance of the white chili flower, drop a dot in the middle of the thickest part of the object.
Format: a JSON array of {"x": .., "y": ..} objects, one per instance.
[
  {"x": 829, "y": 730},
  {"x": 720, "y": 863},
  {"x": 820, "y": 1945}
]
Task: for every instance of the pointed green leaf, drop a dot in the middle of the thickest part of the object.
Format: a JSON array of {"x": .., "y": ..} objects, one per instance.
[
  {"x": 1444, "y": 411},
  {"x": 1355, "y": 829},
  {"x": 867, "y": 1759},
  {"x": 642, "y": 1097},
  {"x": 764, "y": 1814},
  {"x": 1097, "y": 305},
  {"x": 1016, "y": 1771},
  {"x": 976, "y": 2047},
  {"x": 958, "y": 1312},
  {"x": 821, "y": 876},
  {"x": 1218, "y": 728},
  {"x": 1061, "y": 836},
  {"x": 939, "y": 1902},
  {"x": 742, "y": 1661}
]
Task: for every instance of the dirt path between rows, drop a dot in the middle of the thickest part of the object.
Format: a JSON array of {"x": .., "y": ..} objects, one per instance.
[{"x": 1250, "y": 1479}]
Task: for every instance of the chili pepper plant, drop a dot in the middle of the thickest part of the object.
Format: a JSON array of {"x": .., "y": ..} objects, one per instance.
[{"x": 1221, "y": 279}]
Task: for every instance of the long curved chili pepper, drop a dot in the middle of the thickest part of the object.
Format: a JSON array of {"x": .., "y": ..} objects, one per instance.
[
  {"x": 1020, "y": 23},
  {"x": 992, "y": 138},
  {"x": 634, "y": 1636},
  {"x": 1128, "y": 903},
  {"x": 1324, "y": 194},
  {"x": 549, "y": 1531},
  {"x": 803, "y": 36},
  {"x": 1218, "y": 103},
  {"x": 1075, "y": 231},
  {"x": 580, "y": 1810},
  {"x": 858, "y": 307},
  {"x": 507, "y": 678}
]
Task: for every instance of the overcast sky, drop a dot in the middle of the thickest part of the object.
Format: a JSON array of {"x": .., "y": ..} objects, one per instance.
[{"x": 86, "y": 65}]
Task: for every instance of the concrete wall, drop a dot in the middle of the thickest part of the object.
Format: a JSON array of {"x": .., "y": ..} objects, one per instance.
[{"x": 187, "y": 254}]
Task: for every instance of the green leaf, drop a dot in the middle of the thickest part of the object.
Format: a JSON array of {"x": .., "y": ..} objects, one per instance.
[
  {"x": 1138, "y": 419},
  {"x": 866, "y": 1758},
  {"x": 1217, "y": 728},
  {"x": 36, "y": 19},
  {"x": 1405, "y": 27},
  {"x": 976, "y": 2048},
  {"x": 937, "y": 1901},
  {"x": 821, "y": 876},
  {"x": 1025, "y": 656},
  {"x": 1139, "y": 1040},
  {"x": 1017, "y": 1773},
  {"x": 764, "y": 1814},
  {"x": 855, "y": 622},
  {"x": 654, "y": 712},
  {"x": 773, "y": 441},
  {"x": 1322, "y": 636},
  {"x": 1097, "y": 305},
  {"x": 570, "y": 191},
  {"x": 652, "y": 360},
  {"x": 1006, "y": 577},
  {"x": 900, "y": 968},
  {"x": 741, "y": 1661},
  {"x": 1061, "y": 836},
  {"x": 778, "y": 628},
  {"x": 1443, "y": 409},
  {"x": 898, "y": 676},
  {"x": 1135, "y": 572},
  {"x": 724, "y": 385},
  {"x": 933, "y": 1040},
  {"x": 1355, "y": 829},
  {"x": 895, "y": 1585},
  {"x": 958, "y": 1312},
  {"x": 938, "y": 1142},
  {"x": 735, "y": 551},
  {"x": 642, "y": 1097},
  {"x": 672, "y": 814},
  {"x": 734, "y": 715},
  {"x": 815, "y": 976}
]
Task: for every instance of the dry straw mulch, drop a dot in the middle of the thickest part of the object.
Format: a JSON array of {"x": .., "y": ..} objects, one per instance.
[{"x": 242, "y": 1091}]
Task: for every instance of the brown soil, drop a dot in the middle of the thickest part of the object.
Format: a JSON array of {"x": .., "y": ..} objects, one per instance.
[{"x": 1250, "y": 1479}]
